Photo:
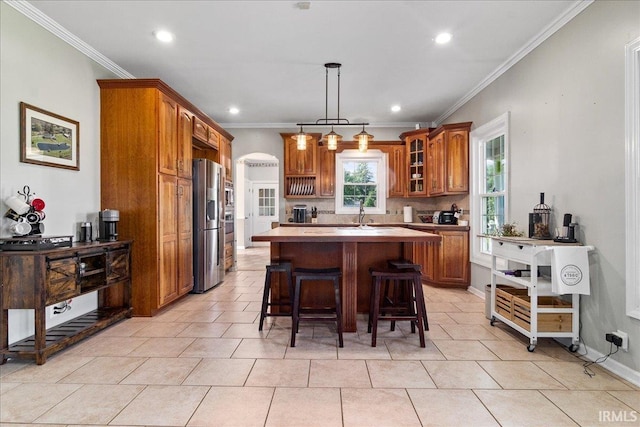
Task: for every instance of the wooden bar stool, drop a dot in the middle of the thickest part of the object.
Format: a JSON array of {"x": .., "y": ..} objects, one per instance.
[
  {"x": 413, "y": 311},
  {"x": 403, "y": 264},
  {"x": 279, "y": 267},
  {"x": 321, "y": 314}
]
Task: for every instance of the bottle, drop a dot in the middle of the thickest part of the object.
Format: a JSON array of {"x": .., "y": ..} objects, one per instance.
[{"x": 85, "y": 232}]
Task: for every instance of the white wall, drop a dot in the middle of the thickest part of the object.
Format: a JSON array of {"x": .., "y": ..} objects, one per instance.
[
  {"x": 42, "y": 70},
  {"x": 567, "y": 140}
]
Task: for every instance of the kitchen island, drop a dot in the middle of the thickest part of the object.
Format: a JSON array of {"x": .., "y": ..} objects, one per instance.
[{"x": 353, "y": 249}]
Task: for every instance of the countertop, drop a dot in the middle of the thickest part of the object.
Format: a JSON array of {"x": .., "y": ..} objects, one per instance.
[
  {"x": 413, "y": 225},
  {"x": 346, "y": 233}
]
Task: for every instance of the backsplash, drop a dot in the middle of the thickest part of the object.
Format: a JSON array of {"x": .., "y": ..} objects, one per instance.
[{"x": 327, "y": 215}]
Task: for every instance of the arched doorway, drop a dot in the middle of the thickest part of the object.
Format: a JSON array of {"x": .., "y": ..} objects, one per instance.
[{"x": 257, "y": 196}]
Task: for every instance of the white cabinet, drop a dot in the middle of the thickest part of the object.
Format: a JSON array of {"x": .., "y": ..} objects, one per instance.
[{"x": 531, "y": 308}]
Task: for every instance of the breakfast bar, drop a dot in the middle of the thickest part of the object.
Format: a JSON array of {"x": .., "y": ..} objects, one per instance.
[{"x": 353, "y": 249}]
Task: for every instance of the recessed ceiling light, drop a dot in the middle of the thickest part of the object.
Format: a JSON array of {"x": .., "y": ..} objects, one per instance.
[
  {"x": 163, "y": 36},
  {"x": 443, "y": 38},
  {"x": 396, "y": 108},
  {"x": 234, "y": 110}
]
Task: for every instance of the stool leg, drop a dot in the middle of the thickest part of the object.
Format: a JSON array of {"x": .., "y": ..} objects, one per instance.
[
  {"x": 290, "y": 286},
  {"x": 336, "y": 288},
  {"x": 296, "y": 312},
  {"x": 417, "y": 284},
  {"x": 265, "y": 298},
  {"x": 371, "y": 304},
  {"x": 376, "y": 310}
]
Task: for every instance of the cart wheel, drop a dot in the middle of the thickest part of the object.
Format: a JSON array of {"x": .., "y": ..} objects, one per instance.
[
  {"x": 493, "y": 320},
  {"x": 531, "y": 347},
  {"x": 573, "y": 348}
]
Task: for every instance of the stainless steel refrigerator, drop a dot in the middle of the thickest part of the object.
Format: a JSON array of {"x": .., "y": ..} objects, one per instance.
[{"x": 208, "y": 224}]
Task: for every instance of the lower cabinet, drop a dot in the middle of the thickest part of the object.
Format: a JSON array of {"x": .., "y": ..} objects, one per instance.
[
  {"x": 36, "y": 279},
  {"x": 445, "y": 263},
  {"x": 228, "y": 251}
]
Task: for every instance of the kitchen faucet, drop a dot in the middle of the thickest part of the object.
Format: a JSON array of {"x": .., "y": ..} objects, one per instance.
[{"x": 361, "y": 216}]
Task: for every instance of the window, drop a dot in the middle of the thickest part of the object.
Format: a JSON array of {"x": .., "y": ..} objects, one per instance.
[
  {"x": 632, "y": 176},
  {"x": 361, "y": 177},
  {"x": 490, "y": 189},
  {"x": 266, "y": 202}
]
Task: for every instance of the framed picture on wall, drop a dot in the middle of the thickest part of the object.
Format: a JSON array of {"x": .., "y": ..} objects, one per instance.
[{"x": 48, "y": 139}]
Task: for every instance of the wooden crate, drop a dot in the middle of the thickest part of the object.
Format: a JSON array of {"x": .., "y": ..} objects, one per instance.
[
  {"x": 504, "y": 299},
  {"x": 547, "y": 322}
]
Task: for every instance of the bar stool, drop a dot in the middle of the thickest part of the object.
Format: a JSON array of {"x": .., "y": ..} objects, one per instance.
[
  {"x": 403, "y": 264},
  {"x": 276, "y": 267},
  {"x": 412, "y": 311},
  {"x": 321, "y": 314}
]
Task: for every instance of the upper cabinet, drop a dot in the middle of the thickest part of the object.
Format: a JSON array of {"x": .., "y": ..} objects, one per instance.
[
  {"x": 448, "y": 160},
  {"x": 397, "y": 179},
  {"x": 326, "y": 172},
  {"x": 225, "y": 158},
  {"x": 185, "y": 123},
  {"x": 301, "y": 168},
  {"x": 416, "y": 144}
]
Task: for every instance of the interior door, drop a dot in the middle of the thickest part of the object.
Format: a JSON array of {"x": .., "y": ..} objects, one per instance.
[{"x": 264, "y": 207}]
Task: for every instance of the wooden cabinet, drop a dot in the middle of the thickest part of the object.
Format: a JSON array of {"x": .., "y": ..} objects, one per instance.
[
  {"x": 213, "y": 138},
  {"x": 301, "y": 168},
  {"x": 200, "y": 130},
  {"x": 397, "y": 179},
  {"x": 326, "y": 172},
  {"x": 448, "y": 160},
  {"x": 36, "y": 279},
  {"x": 416, "y": 144},
  {"x": 185, "y": 124},
  {"x": 445, "y": 263},
  {"x": 226, "y": 158},
  {"x": 228, "y": 250},
  {"x": 146, "y": 153}
]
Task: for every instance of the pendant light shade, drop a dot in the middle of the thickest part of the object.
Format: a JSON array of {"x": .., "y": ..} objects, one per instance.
[
  {"x": 332, "y": 140},
  {"x": 301, "y": 139},
  {"x": 363, "y": 139}
]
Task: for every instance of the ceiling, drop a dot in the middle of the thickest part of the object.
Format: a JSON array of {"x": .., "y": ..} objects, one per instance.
[{"x": 267, "y": 57}]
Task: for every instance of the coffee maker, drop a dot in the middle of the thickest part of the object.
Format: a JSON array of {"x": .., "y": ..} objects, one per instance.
[
  {"x": 108, "y": 225},
  {"x": 300, "y": 213}
]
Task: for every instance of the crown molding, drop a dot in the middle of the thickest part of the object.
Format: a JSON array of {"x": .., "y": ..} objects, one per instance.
[
  {"x": 58, "y": 30},
  {"x": 536, "y": 41},
  {"x": 403, "y": 125}
]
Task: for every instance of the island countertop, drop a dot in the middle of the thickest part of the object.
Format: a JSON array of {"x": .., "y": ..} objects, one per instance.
[
  {"x": 353, "y": 249},
  {"x": 345, "y": 234}
]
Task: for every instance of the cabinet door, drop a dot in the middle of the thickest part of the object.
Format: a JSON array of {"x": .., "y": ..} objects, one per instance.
[
  {"x": 200, "y": 130},
  {"x": 453, "y": 258},
  {"x": 457, "y": 161},
  {"x": 168, "y": 233},
  {"x": 185, "y": 124},
  {"x": 300, "y": 162},
  {"x": 435, "y": 165},
  {"x": 397, "y": 172},
  {"x": 118, "y": 265},
  {"x": 167, "y": 135},
  {"x": 416, "y": 147},
  {"x": 214, "y": 138},
  {"x": 225, "y": 158},
  {"x": 62, "y": 280},
  {"x": 185, "y": 239},
  {"x": 327, "y": 172}
]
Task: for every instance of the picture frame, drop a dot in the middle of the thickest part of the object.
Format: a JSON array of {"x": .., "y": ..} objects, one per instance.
[{"x": 48, "y": 139}]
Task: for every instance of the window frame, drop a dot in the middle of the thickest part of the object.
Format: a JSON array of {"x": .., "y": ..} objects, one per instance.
[
  {"x": 478, "y": 138},
  {"x": 369, "y": 155},
  {"x": 632, "y": 176}
]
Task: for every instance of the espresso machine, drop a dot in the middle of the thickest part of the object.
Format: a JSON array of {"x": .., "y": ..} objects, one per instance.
[{"x": 108, "y": 225}]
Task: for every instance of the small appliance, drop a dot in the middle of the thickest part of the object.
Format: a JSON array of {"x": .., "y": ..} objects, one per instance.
[
  {"x": 108, "y": 225},
  {"x": 447, "y": 217},
  {"x": 568, "y": 230},
  {"x": 436, "y": 217},
  {"x": 85, "y": 232},
  {"x": 300, "y": 214}
]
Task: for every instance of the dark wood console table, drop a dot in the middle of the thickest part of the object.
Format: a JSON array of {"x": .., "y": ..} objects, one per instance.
[{"x": 37, "y": 279}]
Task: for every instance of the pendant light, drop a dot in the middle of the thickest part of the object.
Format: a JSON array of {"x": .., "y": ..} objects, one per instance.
[
  {"x": 301, "y": 139},
  {"x": 363, "y": 139},
  {"x": 332, "y": 138}
]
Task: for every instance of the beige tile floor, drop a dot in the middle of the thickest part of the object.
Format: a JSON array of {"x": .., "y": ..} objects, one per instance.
[{"x": 204, "y": 363}]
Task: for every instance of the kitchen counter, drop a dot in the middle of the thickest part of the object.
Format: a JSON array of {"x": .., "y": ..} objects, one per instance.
[
  {"x": 352, "y": 248},
  {"x": 411, "y": 225}
]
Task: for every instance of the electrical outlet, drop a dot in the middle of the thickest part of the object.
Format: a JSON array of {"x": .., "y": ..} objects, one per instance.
[{"x": 625, "y": 339}]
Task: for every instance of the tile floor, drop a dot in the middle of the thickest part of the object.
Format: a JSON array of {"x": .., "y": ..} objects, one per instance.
[{"x": 204, "y": 363}]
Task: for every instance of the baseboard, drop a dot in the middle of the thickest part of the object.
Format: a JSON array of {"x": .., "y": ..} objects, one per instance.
[
  {"x": 611, "y": 365},
  {"x": 590, "y": 354}
]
